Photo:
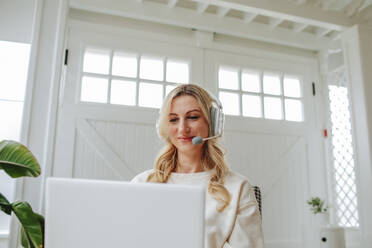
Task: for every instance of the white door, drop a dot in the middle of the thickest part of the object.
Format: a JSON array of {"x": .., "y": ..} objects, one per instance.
[
  {"x": 271, "y": 137},
  {"x": 113, "y": 87}
]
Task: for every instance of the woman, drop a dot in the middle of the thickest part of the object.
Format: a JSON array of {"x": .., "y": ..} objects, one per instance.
[{"x": 232, "y": 214}]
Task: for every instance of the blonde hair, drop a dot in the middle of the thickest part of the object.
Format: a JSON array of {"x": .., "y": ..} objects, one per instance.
[{"x": 213, "y": 155}]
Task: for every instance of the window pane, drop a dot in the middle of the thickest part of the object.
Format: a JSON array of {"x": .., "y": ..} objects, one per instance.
[
  {"x": 94, "y": 89},
  {"x": 271, "y": 84},
  {"x": 151, "y": 68},
  {"x": 96, "y": 61},
  {"x": 292, "y": 87},
  {"x": 150, "y": 95},
  {"x": 251, "y": 81},
  {"x": 345, "y": 190},
  {"x": 10, "y": 119},
  {"x": 177, "y": 72},
  {"x": 123, "y": 92},
  {"x": 14, "y": 59},
  {"x": 169, "y": 88},
  {"x": 228, "y": 78},
  {"x": 230, "y": 103},
  {"x": 273, "y": 108},
  {"x": 124, "y": 65},
  {"x": 293, "y": 110},
  {"x": 252, "y": 106}
]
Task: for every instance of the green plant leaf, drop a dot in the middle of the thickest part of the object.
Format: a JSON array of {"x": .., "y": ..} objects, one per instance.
[
  {"x": 31, "y": 222},
  {"x": 17, "y": 161},
  {"x": 5, "y": 205},
  {"x": 25, "y": 240}
]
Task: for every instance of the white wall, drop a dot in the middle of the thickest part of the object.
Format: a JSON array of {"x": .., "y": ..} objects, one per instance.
[
  {"x": 16, "y": 20},
  {"x": 358, "y": 55}
]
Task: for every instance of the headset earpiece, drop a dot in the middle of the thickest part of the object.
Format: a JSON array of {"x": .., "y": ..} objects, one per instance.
[{"x": 217, "y": 117}]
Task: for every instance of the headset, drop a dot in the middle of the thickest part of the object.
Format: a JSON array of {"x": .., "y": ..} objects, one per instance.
[{"x": 217, "y": 121}]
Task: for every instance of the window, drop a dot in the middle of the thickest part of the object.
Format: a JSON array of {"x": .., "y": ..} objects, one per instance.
[
  {"x": 122, "y": 78},
  {"x": 14, "y": 58},
  {"x": 343, "y": 166},
  {"x": 260, "y": 94}
]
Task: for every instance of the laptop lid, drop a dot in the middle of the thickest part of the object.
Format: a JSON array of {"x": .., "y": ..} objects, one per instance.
[{"x": 94, "y": 213}]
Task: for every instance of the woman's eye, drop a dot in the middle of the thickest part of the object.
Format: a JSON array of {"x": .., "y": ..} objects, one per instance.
[
  {"x": 173, "y": 120},
  {"x": 194, "y": 117}
]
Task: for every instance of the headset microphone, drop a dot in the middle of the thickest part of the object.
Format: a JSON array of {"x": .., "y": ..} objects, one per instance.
[{"x": 197, "y": 140}]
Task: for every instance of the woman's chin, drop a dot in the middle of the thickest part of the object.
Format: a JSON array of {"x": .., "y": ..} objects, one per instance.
[{"x": 188, "y": 147}]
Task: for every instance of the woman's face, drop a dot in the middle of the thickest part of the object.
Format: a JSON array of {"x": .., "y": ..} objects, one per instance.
[{"x": 185, "y": 121}]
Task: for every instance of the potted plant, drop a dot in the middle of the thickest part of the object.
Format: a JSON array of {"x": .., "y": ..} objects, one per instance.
[
  {"x": 17, "y": 161},
  {"x": 320, "y": 210},
  {"x": 317, "y": 205}
]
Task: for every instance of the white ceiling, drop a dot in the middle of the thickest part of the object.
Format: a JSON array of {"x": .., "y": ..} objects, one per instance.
[{"x": 309, "y": 24}]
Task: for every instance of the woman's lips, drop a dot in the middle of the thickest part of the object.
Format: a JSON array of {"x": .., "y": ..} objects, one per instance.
[{"x": 185, "y": 138}]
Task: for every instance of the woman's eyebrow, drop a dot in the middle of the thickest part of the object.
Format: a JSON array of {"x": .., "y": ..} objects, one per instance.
[
  {"x": 197, "y": 110},
  {"x": 193, "y": 111}
]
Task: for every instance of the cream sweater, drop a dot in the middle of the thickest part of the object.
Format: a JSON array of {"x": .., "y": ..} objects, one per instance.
[{"x": 239, "y": 225}]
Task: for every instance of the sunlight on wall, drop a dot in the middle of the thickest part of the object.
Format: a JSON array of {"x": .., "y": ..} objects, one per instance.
[{"x": 14, "y": 59}]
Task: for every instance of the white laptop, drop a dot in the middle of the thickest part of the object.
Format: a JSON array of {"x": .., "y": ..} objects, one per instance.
[{"x": 93, "y": 213}]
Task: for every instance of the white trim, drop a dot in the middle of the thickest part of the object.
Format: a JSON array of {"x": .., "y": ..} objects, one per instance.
[
  {"x": 57, "y": 66},
  {"x": 287, "y": 11},
  {"x": 18, "y": 194},
  {"x": 4, "y": 234},
  {"x": 355, "y": 61},
  {"x": 88, "y": 21},
  {"x": 188, "y": 18},
  {"x": 41, "y": 99}
]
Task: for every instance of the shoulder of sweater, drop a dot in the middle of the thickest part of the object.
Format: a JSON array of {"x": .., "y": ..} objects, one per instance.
[
  {"x": 237, "y": 179},
  {"x": 142, "y": 177},
  {"x": 239, "y": 185}
]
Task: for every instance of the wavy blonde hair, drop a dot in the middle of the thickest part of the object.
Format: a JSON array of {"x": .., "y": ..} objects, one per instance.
[{"x": 213, "y": 155}]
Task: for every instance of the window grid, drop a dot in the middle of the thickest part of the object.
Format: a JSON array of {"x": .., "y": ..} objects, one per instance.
[
  {"x": 138, "y": 76},
  {"x": 261, "y": 94},
  {"x": 240, "y": 90},
  {"x": 282, "y": 98},
  {"x": 110, "y": 77},
  {"x": 343, "y": 165},
  {"x": 137, "y": 80}
]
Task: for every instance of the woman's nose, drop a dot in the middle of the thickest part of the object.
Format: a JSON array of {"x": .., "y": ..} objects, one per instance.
[{"x": 184, "y": 128}]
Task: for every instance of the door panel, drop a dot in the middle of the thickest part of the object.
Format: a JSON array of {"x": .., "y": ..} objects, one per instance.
[
  {"x": 274, "y": 154},
  {"x": 107, "y": 141}
]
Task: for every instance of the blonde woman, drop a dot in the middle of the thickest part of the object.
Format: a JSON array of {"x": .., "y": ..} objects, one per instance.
[{"x": 232, "y": 215}]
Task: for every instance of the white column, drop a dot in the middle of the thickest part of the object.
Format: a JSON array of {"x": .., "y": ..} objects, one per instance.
[
  {"x": 40, "y": 110},
  {"x": 357, "y": 45}
]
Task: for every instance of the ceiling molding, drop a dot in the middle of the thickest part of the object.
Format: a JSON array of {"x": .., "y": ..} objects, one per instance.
[
  {"x": 274, "y": 22},
  {"x": 172, "y": 3},
  {"x": 305, "y": 13},
  {"x": 222, "y": 11},
  {"x": 366, "y": 13},
  {"x": 188, "y": 18},
  {"x": 249, "y": 17},
  {"x": 201, "y": 7},
  {"x": 353, "y": 7},
  {"x": 299, "y": 27}
]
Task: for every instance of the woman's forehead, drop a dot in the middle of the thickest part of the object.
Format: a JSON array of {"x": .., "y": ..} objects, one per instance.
[{"x": 184, "y": 104}]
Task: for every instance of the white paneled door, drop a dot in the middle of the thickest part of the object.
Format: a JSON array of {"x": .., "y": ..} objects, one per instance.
[
  {"x": 271, "y": 136},
  {"x": 109, "y": 102}
]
